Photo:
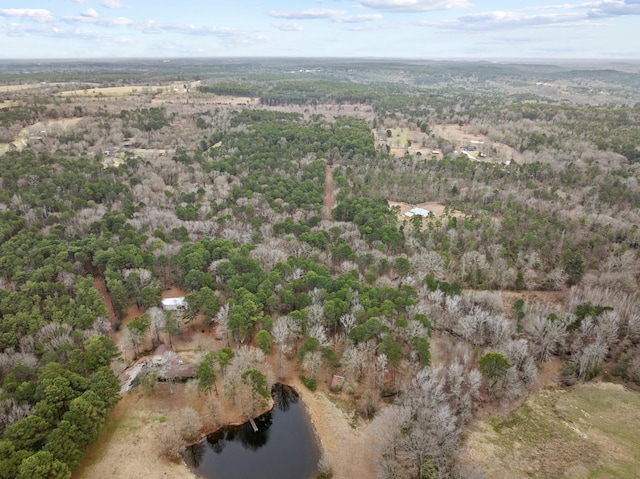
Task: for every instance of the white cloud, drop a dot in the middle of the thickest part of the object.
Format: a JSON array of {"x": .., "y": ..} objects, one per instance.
[
  {"x": 614, "y": 8},
  {"x": 288, "y": 27},
  {"x": 337, "y": 16},
  {"x": 95, "y": 20},
  {"x": 78, "y": 33},
  {"x": 90, "y": 13},
  {"x": 508, "y": 20},
  {"x": 111, "y": 4},
  {"x": 565, "y": 15},
  {"x": 309, "y": 14},
  {"x": 228, "y": 35},
  {"x": 36, "y": 14},
  {"x": 118, "y": 21},
  {"x": 22, "y": 30},
  {"x": 403, "y": 6},
  {"x": 79, "y": 1},
  {"x": 358, "y": 18},
  {"x": 564, "y": 6},
  {"x": 599, "y": 8}
]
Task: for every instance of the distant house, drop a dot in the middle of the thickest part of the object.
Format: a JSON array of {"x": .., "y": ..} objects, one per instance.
[
  {"x": 174, "y": 304},
  {"x": 418, "y": 211}
]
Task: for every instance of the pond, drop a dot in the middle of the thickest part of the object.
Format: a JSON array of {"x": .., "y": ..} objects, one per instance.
[{"x": 284, "y": 447}]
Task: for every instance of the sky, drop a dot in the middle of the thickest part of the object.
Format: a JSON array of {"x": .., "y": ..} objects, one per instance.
[{"x": 421, "y": 29}]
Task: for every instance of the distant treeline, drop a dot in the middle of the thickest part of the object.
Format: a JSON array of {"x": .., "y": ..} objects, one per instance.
[{"x": 296, "y": 92}]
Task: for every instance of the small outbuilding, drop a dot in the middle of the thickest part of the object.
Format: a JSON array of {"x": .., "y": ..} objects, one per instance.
[
  {"x": 174, "y": 304},
  {"x": 337, "y": 383}
]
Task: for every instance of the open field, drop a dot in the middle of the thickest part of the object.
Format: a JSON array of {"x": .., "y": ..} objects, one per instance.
[
  {"x": 132, "y": 442},
  {"x": 414, "y": 141},
  {"x": 38, "y": 130},
  {"x": 588, "y": 431},
  {"x": 174, "y": 88},
  {"x": 495, "y": 152},
  {"x": 398, "y": 142},
  {"x": 115, "y": 91},
  {"x": 26, "y": 86}
]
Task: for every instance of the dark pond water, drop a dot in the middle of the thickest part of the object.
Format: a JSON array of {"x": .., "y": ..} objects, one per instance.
[{"x": 283, "y": 448}]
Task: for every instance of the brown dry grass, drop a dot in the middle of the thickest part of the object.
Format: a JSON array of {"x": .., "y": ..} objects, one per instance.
[
  {"x": 115, "y": 91},
  {"x": 588, "y": 431},
  {"x": 26, "y": 86},
  {"x": 132, "y": 445}
]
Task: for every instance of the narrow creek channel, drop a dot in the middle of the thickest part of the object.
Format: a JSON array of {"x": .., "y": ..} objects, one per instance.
[{"x": 284, "y": 447}]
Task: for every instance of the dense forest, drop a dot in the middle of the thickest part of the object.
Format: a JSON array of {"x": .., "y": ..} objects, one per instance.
[{"x": 211, "y": 177}]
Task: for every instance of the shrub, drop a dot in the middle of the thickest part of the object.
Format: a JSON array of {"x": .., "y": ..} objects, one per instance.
[{"x": 309, "y": 382}]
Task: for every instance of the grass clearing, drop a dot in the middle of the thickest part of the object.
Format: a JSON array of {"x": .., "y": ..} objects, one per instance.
[
  {"x": 347, "y": 406},
  {"x": 97, "y": 451},
  {"x": 589, "y": 431}
]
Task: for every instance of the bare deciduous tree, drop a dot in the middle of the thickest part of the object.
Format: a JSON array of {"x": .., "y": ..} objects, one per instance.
[{"x": 189, "y": 424}]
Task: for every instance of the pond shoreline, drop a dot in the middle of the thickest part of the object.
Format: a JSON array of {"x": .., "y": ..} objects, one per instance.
[
  {"x": 239, "y": 422},
  {"x": 295, "y": 437}
]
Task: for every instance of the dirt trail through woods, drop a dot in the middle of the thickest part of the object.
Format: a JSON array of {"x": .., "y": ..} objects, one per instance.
[
  {"x": 328, "y": 192},
  {"x": 99, "y": 284}
]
